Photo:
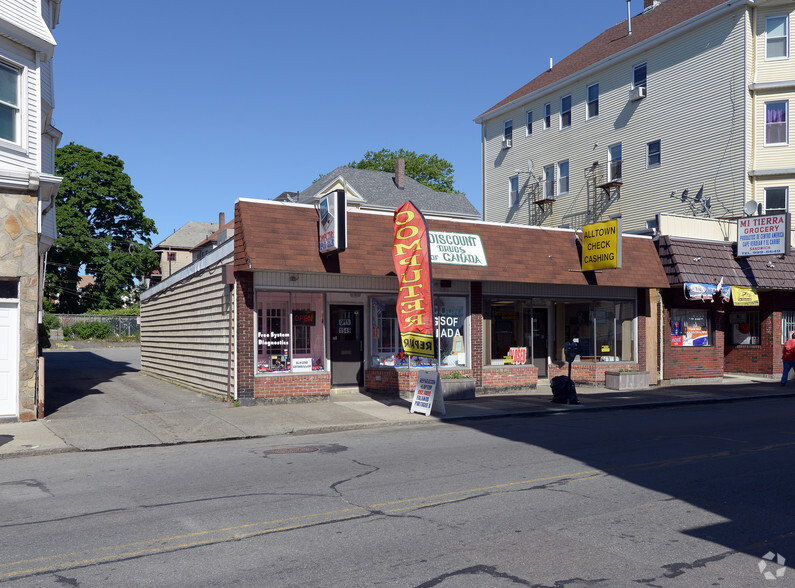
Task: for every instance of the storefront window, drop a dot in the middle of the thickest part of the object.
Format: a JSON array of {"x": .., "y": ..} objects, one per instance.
[
  {"x": 449, "y": 314},
  {"x": 450, "y": 318},
  {"x": 690, "y": 328},
  {"x": 787, "y": 325},
  {"x": 745, "y": 328},
  {"x": 289, "y": 332},
  {"x": 603, "y": 330}
]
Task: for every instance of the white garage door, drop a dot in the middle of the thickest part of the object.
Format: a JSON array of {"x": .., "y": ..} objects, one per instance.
[{"x": 9, "y": 358}]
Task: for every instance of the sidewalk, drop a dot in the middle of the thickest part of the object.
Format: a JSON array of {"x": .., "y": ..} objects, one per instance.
[{"x": 344, "y": 412}]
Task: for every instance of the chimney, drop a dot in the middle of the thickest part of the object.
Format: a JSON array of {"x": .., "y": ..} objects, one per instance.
[
  {"x": 221, "y": 220},
  {"x": 400, "y": 173},
  {"x": 629, "y": 18}
]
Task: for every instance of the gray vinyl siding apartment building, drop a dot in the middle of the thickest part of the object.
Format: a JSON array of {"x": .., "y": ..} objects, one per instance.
[{"x": 674, "y": 116}]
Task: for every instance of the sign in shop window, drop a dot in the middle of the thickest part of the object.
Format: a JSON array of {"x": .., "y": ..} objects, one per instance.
[
  {"x": 745, "y": 328},
  {"x": 690, "y": 328},
  {"x": 450, "y": 321},
  {"x": 289, "y": 332}
]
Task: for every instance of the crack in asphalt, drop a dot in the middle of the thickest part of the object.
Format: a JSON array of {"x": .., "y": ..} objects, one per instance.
[{"x": 478, "y": 570}]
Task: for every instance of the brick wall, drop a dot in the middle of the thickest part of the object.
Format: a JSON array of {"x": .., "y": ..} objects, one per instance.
[
  {"x": 587, "y": 373},
  {"x": 245, "y": 335},
  {"x": 290, "y": 386},
  {"x": 476, "y": 329},
  {"x": 507, "y": 378},
  {"x": 693, "y": 362}
]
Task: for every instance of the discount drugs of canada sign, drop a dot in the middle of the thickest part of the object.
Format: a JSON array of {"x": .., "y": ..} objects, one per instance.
[{"x": 428, "y": 394}]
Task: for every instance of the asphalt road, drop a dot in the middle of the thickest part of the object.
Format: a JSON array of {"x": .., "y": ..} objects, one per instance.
[{"x": 687, "y": 496}]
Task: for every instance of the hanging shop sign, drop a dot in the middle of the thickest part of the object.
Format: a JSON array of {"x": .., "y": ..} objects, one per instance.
[
  {"x": 411, "y": 254},
  {"x": 332, "y": 225},
  {"x": 707, "y": 292},
  {"x": 457, "y": 249},
  {"x": 745, "y": 296},
  {"x": 601, "y": 245},
  {"x": 763, "y": 235}
]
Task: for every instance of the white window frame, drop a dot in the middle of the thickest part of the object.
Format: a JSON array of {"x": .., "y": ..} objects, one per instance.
[
  {"x": 549, "y": 182},
  {"x": 507, "y": 130},
  {"x": 635, "y": 68},
  {"x": 513, "y": 191},
  {"x": 787, "y": 325},
  {"x": 786, "y": 200},
  {"x": 649, "y": 164},
  {"x": 529, "y": 123},
  {"x": 589, "y": 101},
  {"x": 17, "y": 108},
  {"x": 786, "y": 122},
  {"x": 547, "y": 115},
  {"x": 611, "y": 161},
  {"x": 786, "y": 38},
  {"x": 565, "y": 113},
  {"x": 563, "y": 186}
]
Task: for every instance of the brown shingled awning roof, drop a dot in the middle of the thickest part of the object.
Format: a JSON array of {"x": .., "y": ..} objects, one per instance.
[
  {"x": 687, "y": 260},
  {"x": 278, "y": 236}
]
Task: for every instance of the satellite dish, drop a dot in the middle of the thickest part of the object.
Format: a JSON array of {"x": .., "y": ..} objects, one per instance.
[{"x": 749, "y": 208}]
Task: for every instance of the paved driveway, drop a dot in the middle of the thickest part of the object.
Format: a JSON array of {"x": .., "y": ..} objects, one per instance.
[{"x": 106, "y": 381}]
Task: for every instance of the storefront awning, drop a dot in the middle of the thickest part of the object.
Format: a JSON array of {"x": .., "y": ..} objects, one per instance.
[
  {"x": 710, "y": 262},
  {"x": 279, "y": 236}
]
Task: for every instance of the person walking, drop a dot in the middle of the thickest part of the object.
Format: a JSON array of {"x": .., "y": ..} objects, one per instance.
[{"x": 788, "y": 356}]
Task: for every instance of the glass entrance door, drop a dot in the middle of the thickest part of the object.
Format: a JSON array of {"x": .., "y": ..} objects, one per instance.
[{"x": 347, "y": 345}]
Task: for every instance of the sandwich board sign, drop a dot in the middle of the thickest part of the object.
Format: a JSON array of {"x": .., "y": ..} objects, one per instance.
[{"x": 428, "y": 394}]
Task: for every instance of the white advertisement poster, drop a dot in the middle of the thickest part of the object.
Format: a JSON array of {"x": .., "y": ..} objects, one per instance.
[{"x": 428, "y": 394}]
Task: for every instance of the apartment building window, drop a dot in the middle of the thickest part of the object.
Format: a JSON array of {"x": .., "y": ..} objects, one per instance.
[
  {"x": 592, "y": 97},
  {"x": 614, "y": 163},
  {"x": 776, "y": 122},
  {"x": 776, "y": 200},
  {"x": 549, "y": 182},
  {"x": 563, "y": 177},
  {"x": 513, "y": 191},
  {"x": 639, "y": 76},
  {"x": 9, "y": 103},
  {"x": 507, "y": 132},
  {"x": 565, "y": 112},
  {"x": 529, "y": 122},
  {"x": 172, "y": 256},
  {"x": 776, "y": 37},
  {"x": 653, "y": 153},
  {"x": 547, "y": 115}
]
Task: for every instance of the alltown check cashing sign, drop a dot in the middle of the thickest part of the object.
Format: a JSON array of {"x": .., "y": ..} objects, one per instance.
[{"x": 601, "y": 245}]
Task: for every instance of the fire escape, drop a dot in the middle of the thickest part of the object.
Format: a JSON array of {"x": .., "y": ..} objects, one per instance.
[
  {"x": 604, "y": 188},
  {"x": 542, "y": 195}
]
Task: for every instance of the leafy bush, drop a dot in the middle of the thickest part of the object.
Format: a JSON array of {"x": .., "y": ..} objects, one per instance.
[
  {"x": 50, "y": 321},
  {"x": 90, "y": 330}
]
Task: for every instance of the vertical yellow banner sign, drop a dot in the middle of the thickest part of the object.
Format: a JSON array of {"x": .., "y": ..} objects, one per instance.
[{"x": 411, "y": 254}]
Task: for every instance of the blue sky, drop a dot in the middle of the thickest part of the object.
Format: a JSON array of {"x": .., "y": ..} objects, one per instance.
[{"x": 208, "y": 102}]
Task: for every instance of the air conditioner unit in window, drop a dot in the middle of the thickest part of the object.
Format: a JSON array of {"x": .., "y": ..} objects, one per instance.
[
  {"x": 506, "y": 143},
  {"x": 637, "y": 93}
]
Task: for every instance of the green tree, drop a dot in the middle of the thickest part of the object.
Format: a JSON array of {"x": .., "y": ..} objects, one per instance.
[
  {"x": 102, "y": 230},
  {"x": 431, "y": 170}
]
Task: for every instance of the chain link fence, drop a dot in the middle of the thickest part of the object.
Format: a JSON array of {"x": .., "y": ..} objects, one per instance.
[{"x": 122, "y": 325}]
